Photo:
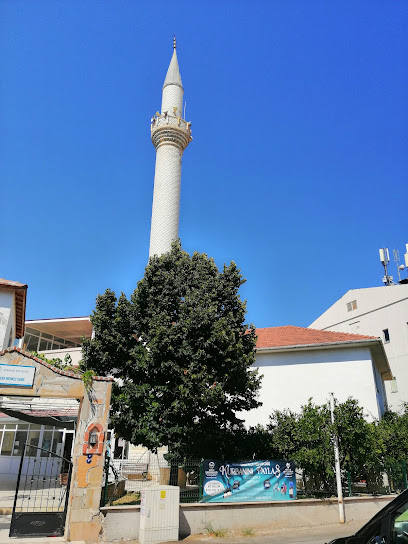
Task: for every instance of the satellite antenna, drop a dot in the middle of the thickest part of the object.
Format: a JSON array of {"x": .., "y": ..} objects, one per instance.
[
  {"x": 406, "y": 257},
  {"x": 397, "y": 260},
  {"x": 385, "y": 259}
]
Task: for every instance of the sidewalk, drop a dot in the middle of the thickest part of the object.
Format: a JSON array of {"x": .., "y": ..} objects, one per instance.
[{"x": 304, "y": 535}]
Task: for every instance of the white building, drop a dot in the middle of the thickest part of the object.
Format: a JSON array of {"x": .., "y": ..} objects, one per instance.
[
  {"x": 376, "y": 311},
  {"x": 56, "y": 338},
  {"x": 299, "y": 363},
  {"x": 12, "y": 312},
  {"x": 45, "y": 423}
]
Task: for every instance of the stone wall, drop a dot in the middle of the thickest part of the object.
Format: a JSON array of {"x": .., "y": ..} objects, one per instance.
[{"x": 84, "y": 520}]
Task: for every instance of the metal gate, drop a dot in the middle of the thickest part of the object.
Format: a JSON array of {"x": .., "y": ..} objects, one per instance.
[{"x": 41, "y": 500}]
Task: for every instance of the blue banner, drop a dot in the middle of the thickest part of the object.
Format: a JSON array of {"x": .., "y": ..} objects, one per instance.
[{"x": 248, "y": 482}]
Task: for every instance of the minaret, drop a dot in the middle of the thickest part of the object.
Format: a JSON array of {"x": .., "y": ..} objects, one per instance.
[{"x": 171, "y": 134}]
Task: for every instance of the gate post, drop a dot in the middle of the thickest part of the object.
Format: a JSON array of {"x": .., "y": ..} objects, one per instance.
[{"x": 84, "y": 517}]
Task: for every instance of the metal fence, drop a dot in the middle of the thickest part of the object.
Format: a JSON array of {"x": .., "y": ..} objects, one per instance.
[
  {"x": 125, "y": 478},
  {"x": 379, "y": 480},
  {"x": 376, "y": 480}
]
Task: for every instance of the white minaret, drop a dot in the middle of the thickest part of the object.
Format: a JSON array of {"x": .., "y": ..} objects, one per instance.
[{"x": 171, "y": 134}]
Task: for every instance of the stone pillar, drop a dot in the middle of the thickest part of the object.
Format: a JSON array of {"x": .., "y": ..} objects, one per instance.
[{"x": 84, "y": 518}]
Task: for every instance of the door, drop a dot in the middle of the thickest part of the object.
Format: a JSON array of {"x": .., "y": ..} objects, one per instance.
[{"x": 41, "y": 498}]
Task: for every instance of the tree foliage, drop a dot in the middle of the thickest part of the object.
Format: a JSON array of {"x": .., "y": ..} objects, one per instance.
[
  {"x": 182, "y": 354},
  {"x": 392, "y": 436},
  {"x": 307, "y": 438}
]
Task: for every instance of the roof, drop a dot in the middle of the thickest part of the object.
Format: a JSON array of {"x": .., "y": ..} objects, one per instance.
[
  {"x": 173, "y": 76},
  {"x": 289, "y": 338},
  {"x": 68, "y": 328},
  {"x": 20, "y": 293},
  {"x": 272, "y": 337}
]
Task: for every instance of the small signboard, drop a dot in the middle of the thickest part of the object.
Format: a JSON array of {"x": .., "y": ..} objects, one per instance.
[
  {"x": 251, "y": 481},
  {"x": 17, "y": 375}
]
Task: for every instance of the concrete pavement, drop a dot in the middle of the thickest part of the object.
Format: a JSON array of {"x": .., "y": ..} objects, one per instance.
[{"x": 305, "y": 535}]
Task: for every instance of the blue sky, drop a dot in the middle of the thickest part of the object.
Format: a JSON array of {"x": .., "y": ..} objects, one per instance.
[{"x": 298, "y": 167}]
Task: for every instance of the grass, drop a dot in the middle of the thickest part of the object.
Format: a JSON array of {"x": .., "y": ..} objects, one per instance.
[
  {"x": 218, "y": 533},
  {"x": 129, "y": 498},
  {"x": 247, "y": 531}
]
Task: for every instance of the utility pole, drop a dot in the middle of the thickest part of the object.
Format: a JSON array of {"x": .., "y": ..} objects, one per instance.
[{"x": 337, "y": 463}]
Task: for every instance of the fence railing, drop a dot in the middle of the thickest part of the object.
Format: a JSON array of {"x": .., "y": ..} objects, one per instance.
[
  {"x": 125, "y": 478},
  {"x": 375, "y": 480},
  {"x": 382, "y": 479}
]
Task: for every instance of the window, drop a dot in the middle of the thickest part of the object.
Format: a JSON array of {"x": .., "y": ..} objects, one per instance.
[
  {"x": 386, "y": 335},
  {"x": 21, "y": 439},
  {"x": 399, "y": 524},
  {"x": 8, "y": 440},
  {"x": 41, "y": 341},
  {"x": 13, "y": 436},
  {"x": 352, "y": 305},
  {"x": 394, "y": 386}
]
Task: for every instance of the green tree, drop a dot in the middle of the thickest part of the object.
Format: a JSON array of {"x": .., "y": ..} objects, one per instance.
[
  {"x": 359, "y": 450},
  {"x": 307, "y": 438},
  {"x": 392, "y": 436},
  {"x": 182, "y": 354}
]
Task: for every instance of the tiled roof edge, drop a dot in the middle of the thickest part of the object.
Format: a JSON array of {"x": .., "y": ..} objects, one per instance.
[
  {"x": 319, "y": 345},
  {"x": 15, "y": 349}
]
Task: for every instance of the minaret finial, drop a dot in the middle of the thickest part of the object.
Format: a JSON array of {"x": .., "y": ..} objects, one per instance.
[{"x": 174, "y": 42}]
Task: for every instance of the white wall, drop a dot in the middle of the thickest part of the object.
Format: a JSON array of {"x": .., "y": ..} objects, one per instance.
[
  {"x": 75, "y": 353},
  {"x": 7, "y": 317},
  {"x": 121, "y": 523},
  {"x": 291, "y": 378},
  {"x": 378, "y": 308}
]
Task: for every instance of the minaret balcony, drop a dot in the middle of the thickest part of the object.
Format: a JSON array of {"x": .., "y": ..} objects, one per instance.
[{"x": 170, "y": 130}]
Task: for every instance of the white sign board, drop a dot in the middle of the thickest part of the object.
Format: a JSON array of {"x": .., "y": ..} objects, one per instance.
[{"x": 16, "y": 375}]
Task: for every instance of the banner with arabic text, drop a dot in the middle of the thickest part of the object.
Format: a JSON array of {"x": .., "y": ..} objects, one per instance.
[{"x": 248, "y": 481}]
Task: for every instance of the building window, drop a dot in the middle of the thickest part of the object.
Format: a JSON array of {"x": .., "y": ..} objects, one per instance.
[
  {"x": 13, "y": 436},
  {"x": 394, "y": 385},
  {"x": 352, "y": 305},
  {"x": 40, "y": 341},
  {"x": 386, "y": 335}
]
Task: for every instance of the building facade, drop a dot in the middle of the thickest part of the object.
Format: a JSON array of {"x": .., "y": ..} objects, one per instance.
[
  {"x": 382, "y": 312},
  {"x": 299, "y": 363},
  {"x": 13, "y": 296}
]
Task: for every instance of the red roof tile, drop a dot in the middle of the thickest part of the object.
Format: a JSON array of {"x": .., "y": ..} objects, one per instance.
[
  {"x": 273, "y": 337},
  {"x": 14, "y": 284},
  {"x": 68, "y": 373}
]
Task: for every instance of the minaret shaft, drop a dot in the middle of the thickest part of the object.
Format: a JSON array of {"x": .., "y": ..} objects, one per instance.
[
  {"x": 172, "y": 98},
  {"x": 171, "y": 134},
  {"x": 166, "y": 199}
]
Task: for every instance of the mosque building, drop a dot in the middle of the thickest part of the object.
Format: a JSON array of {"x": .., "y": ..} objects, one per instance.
[{"x": 312, "y": 362}]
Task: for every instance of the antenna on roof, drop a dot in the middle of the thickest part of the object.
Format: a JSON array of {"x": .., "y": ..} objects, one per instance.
[
  {"x": 402, "y": 267},
  {"x": 385, "y": 259},
  {"x": 397, "y": 260}
]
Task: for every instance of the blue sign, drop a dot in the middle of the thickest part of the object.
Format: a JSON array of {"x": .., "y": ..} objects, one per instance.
[{"x": 248, "y": 482}]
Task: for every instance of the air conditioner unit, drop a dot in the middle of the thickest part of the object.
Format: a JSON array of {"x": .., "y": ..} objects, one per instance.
[{"x": 159, "y": 514}]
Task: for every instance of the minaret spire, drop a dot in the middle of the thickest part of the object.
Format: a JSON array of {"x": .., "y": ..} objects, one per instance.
[{"x": 171, "y": 134}]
